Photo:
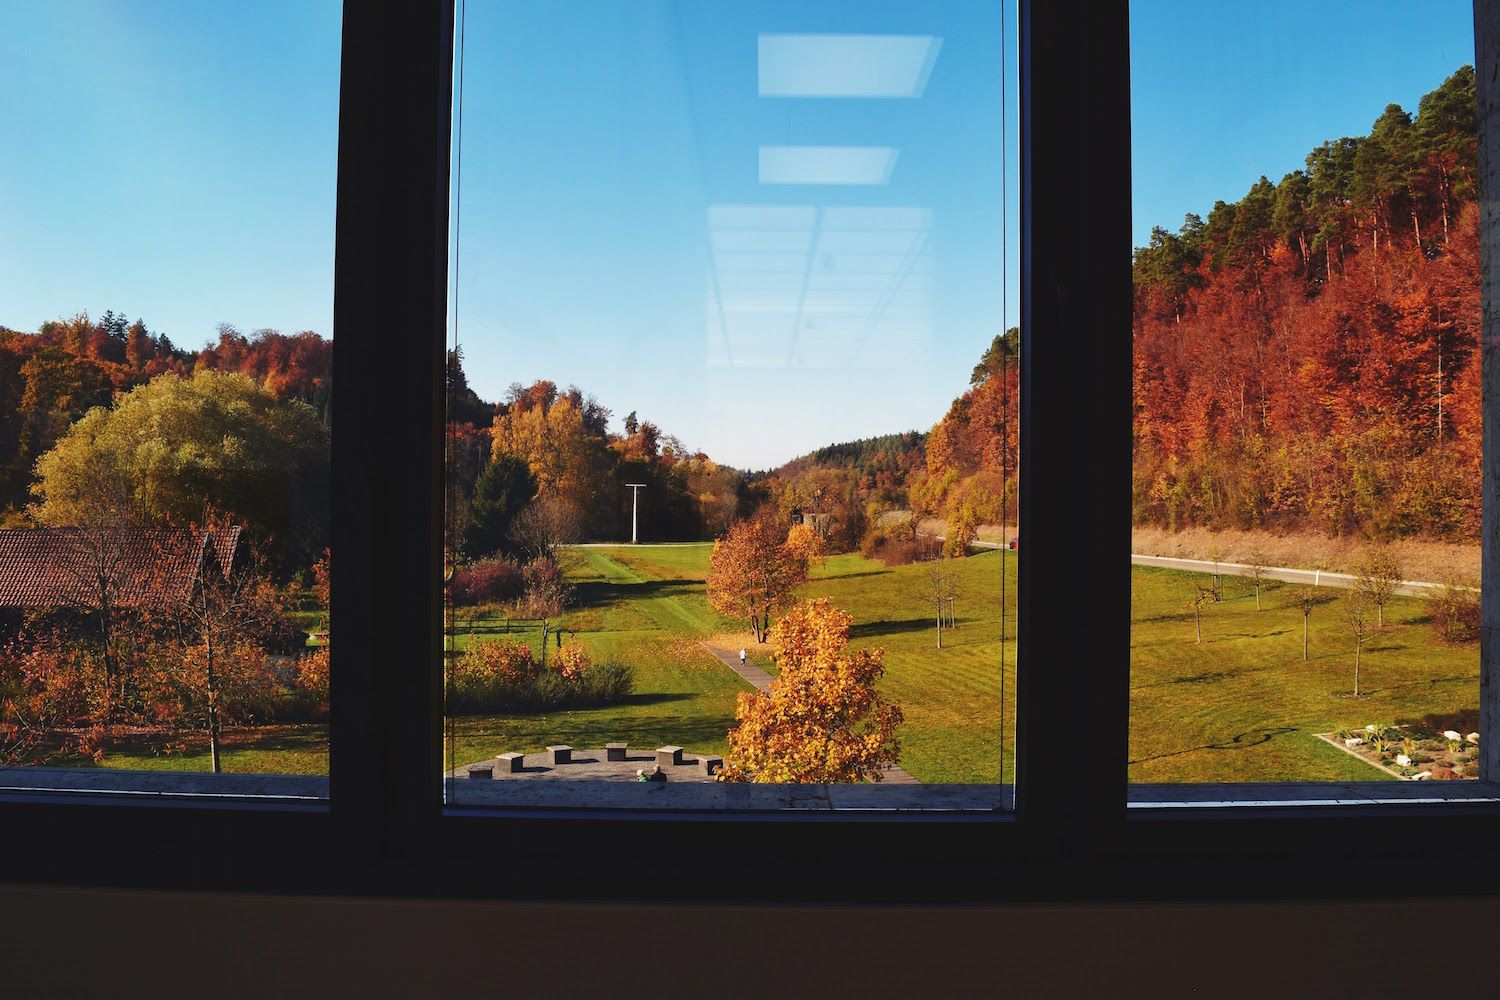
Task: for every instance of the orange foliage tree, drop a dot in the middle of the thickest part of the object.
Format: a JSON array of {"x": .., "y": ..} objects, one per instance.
[
  {"x": 753, "y": 570},
  {"x": 822, "y": 719},
  {"x": 803, "y": 542}
]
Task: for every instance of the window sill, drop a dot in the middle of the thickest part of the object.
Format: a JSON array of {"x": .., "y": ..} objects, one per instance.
[
  {"x": 1302, "y": 794},
  {"x": 95, "y": 783}
]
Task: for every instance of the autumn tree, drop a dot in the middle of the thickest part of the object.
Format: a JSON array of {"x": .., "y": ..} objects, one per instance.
[
  {"x": 822, "y": 719},
  {"x": 173, "y": 449},
  {"x": 963, "y": 528},
  {"x": 1377, "y": 576},
  {"x": 752, "y": 571},
  {"x": 805, "y": 544},
  {"x": 563, "y": 438},
  {"x": 220, "y": 667}
]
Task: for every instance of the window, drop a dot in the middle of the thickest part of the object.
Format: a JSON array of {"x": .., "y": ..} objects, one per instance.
[
  {"x": 387, "y": 827},
  {"x": 1307, "y": 465},
  {"x": 164, "y": 552},
  {"x": 731, "y": 377}
]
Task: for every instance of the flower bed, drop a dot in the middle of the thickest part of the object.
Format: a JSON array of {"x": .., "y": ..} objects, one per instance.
[{"x": 1413, "y": 752}]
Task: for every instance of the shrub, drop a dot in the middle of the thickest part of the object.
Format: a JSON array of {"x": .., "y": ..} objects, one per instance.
[
  {"x": 491, "y": 581},
  {"x": 312, "y": 683},
  {"x": 606, "y": 684},
  {"x": 502, "y": 676},
  {"x": 899, "y": 545},
  {"x": 572, "y": 663},
  {"x": 1455, "y": 614}
]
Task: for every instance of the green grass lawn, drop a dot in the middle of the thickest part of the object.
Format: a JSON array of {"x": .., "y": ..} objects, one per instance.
[
  {"x": 1242, "y": 706},
  {"x": 288, "y": 749},
  {"x": 647, "y": 607},
  {"x": 1239, "y": 706}
]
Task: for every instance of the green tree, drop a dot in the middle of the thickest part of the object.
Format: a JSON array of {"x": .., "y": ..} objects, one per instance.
[
  {"x": 1250, "y": 235},
  {"x": 502, "y": 490},
  {"x": 1290, "y": 217},
  {"x": 1447, "y": 136},
  {"x": 175, "y": 451}
]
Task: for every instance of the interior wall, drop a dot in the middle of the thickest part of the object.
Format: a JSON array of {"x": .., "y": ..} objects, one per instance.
[{"x": 87, "y": 943}]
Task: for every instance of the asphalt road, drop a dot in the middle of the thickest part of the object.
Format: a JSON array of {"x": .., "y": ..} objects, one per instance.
[{"x": 1316, "y": 577}]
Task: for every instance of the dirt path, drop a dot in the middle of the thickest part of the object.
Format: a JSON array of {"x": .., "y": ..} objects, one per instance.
[{"x": 762, "y": 680}]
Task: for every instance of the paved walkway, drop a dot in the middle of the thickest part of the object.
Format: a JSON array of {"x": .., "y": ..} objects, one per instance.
[{"x": 762, "y": 680}]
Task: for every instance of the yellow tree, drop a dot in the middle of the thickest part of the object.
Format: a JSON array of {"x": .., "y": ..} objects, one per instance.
[
  {"x": 803, "y": 542},
  {"x": 752, "y": 571},
  {"x": 565, "y": 457},
  {"x": 822, "y": 719}
]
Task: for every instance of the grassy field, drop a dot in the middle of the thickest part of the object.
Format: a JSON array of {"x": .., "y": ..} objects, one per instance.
[
  {"x": 1242, "y": 706},
  {"x": 1239, "y": 706},
  {"x": 284, "y": 749},
  {"x": 647, "y": 607}
]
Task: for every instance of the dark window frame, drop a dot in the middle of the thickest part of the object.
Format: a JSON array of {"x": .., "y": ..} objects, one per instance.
[{"x": 1070, "y": 835}]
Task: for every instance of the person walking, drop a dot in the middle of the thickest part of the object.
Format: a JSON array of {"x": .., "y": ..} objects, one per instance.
[{"x": 742, "y": 656}]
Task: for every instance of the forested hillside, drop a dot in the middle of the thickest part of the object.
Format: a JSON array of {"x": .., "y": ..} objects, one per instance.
[
  {"x": 1306, "y": 358},
  {"x": 52, "y": 377}
]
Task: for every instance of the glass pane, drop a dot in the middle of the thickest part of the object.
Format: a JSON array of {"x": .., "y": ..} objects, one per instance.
[
  {"x": 166, "y": 268},
  {"x": 732, "y": 405},
  {"x": 1307, "y": 388}
]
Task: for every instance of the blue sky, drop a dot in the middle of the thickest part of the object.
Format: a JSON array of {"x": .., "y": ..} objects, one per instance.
[
  {"x": 1223, "y": 92},
  {"x": 172, "y": 160},
  {"x": 685, "y": 211},
  {"x": 758, "y": 252}
]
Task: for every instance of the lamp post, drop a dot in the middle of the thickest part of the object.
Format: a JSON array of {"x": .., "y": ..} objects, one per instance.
[{"x": 635, "y": 499}]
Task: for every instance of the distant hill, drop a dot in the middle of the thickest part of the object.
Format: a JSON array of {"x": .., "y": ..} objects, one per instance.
[{"x": 867, "y": 456}]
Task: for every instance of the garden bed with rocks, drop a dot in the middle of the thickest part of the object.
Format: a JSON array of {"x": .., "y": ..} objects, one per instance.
[{"x": 1413, "y": 751}]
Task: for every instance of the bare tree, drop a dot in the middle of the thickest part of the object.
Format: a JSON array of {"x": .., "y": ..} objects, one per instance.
[
  {"x": 1357, "y": 615},
  {"x": 546, "y": 526},
  {"x": 1201, "y": 595},
  {"x": 1216, "y": 578},
  {"x": 226, "y": 614},
  {"x": 96, "y": 561},
  {"x": 1378, "y": 575},
  {"x": 1256, "y": 562},
  {"x": 1307, "y": 599},
  {"x": 546, "y": 595},
  {"x": 937, "y": 587}
]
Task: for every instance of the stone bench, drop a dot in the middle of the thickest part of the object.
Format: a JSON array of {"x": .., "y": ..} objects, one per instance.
[
  {"x": 668, "y": 756},
  {"x": 615, "y": 751},
  {"x": 710, "y": 766},
  {"x": 481, "y": 770},
  {"x": 560, "y": 755},
  {"x": 511, "y": 763}
]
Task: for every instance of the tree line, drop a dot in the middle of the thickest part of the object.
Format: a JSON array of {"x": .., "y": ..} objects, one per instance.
[{"x": 1307, "y": 358}]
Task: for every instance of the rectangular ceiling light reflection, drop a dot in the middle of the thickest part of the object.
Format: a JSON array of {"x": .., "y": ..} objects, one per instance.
[
  {"x": 889, "y": 66},
  {"x": 844, "y": 165},
  {"x": 818, "y": 286}
]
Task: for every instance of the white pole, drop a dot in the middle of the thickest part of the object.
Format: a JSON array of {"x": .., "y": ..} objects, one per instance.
[{"x": 635, "y": 499}]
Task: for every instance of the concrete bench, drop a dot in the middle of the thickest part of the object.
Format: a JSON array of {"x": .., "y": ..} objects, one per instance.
[
  {"x": 614, "y": 751},
  {"x": 560, "y": 755},
  {"x": 668, "y": 756},
  {"x": 510, "y": 763},
  {"x": 481, "y": 770},
  {"x": 710, "y": 766}
]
